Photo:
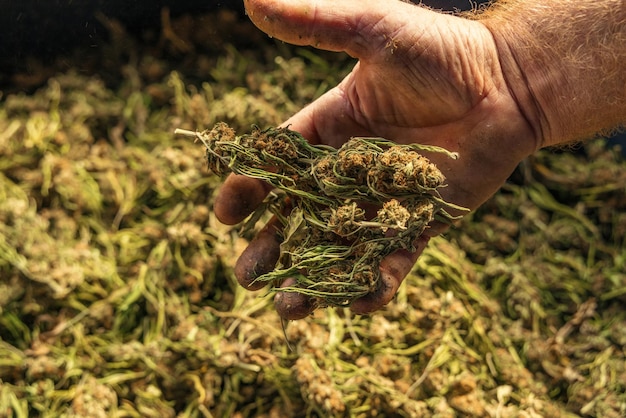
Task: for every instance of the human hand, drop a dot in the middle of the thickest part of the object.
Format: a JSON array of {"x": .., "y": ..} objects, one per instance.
[{"x": 421, "y": 77}]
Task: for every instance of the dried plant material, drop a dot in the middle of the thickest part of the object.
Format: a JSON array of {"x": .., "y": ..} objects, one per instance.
[
  {"x": 117, "y": 288},
  {"x": 329, "y": 246}
]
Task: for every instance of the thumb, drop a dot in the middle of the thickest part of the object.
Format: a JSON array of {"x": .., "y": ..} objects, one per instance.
[{"x": 358, "y": 27}]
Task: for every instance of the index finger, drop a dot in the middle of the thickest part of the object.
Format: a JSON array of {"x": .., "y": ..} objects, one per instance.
[{"x": 238, "y": 197}]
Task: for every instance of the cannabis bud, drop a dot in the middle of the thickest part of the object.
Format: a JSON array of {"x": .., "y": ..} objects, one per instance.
[{"x": 330, "y": 247}]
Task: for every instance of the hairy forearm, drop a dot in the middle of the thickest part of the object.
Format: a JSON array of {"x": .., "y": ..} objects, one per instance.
[{"x": 565, "y": 62}]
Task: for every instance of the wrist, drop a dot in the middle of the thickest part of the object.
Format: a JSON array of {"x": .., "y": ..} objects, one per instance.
[
  {"x": 562, "y": 62},
  {"x": 527, "y": 80}
]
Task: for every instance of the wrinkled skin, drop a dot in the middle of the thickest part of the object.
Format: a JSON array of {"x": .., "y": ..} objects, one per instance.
[{"x": 421, "y": 77}]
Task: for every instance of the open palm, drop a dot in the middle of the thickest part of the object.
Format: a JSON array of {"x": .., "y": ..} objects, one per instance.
[{"x": 421, "y": 77}]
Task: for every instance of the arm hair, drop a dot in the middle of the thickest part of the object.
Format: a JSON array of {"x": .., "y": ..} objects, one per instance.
[{"x": 565, "y": 61}]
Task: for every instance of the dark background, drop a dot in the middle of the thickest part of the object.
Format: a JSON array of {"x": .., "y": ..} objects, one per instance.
[{"x": 49, "y": 27}]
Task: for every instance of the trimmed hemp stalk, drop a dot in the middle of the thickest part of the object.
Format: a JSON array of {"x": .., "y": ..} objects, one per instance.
[{"x": 329, "y": 246}]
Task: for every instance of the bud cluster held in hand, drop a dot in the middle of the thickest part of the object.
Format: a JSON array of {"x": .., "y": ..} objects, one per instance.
[{"x": 330, "y": 245}]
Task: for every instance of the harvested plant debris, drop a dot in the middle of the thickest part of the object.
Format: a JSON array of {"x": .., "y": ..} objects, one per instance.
[{"x": 117, "y": 288}]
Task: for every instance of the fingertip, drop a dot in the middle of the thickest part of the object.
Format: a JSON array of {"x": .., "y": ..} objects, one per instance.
[
  {"x": 393, "y": 269},
  {"x": 259, "y": 257},
  {"x": 293, "y": 305},
  {"x": 387, "y": 288},
  {"x": 238, "y": 197}
]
